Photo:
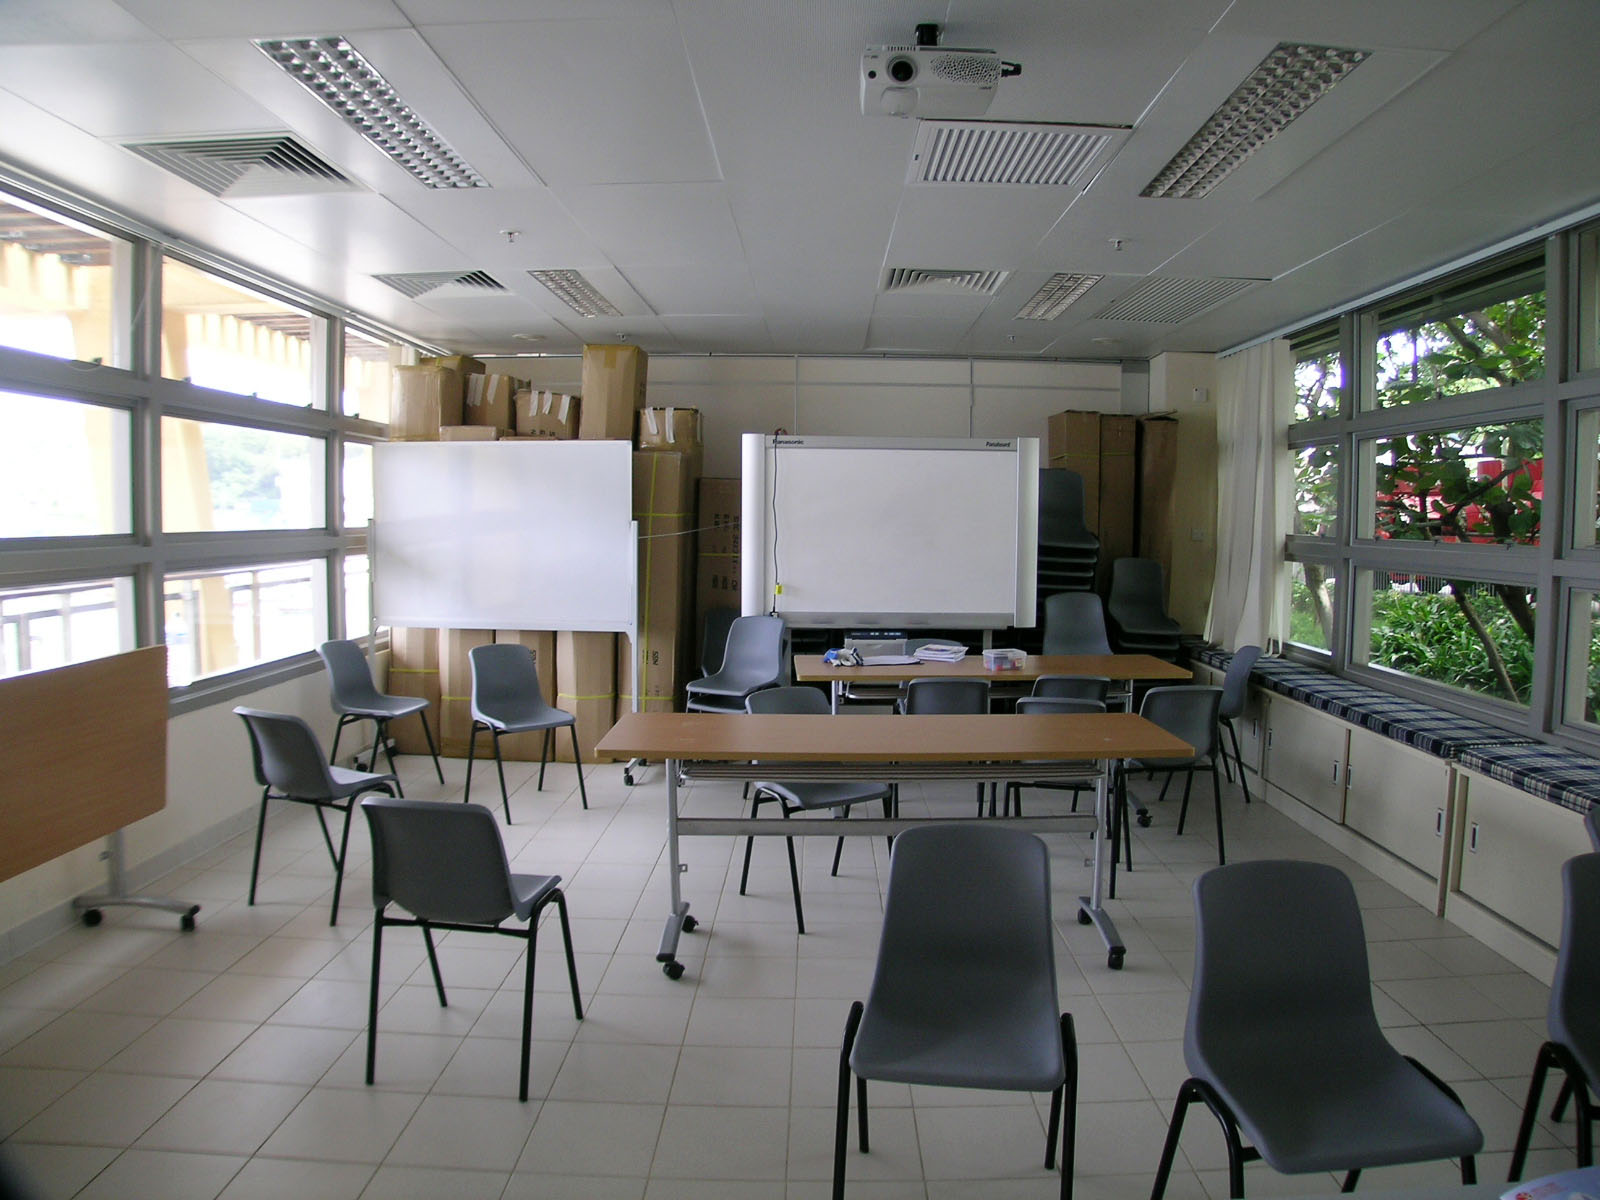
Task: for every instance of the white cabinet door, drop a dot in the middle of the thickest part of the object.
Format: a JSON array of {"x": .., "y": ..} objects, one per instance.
[
  {"x": 1305, "y": 755},
  {"x": 1512, "y": 848},
  {"x": 1397, "y": 797}
]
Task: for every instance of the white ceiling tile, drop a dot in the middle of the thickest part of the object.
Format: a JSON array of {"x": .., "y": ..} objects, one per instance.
[
  {"x": 1416, "y": 24},
  {"x": 720, "y": 335},
  {"x": 708, "y": 289},
  {"x": 472, "y": 220},
  {"x": 68, "y": 21},
  {"x": 458, "y": 12},
  {"x": 657, "y": 224},
  {"x": 979, "y": 227},
  {"x": 253, "y": 19},
  {"x": 357, "y": 232}
]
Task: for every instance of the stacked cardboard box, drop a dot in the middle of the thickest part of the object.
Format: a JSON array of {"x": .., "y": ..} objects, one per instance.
[
  {"x": 455, "y": 675},
  {"x": 468, "y": 433},
  {"x": 613, "y": 390},
  {"x": 1118, "y": 481},
  {"x": 525, "y": 747},
  {"x": 586, "y": 687},
  {"x": 543, "y": 414},
  {"x": 464, "y": 363},
  {"x": 487, "y": 401},
  {"x": 414, "y": 671},
  {"x": 1073, "y": 442},
  {"x": 1158, "y": 467},
  {"x": 425, "y": 398},
  {"x": 717, "y": 566},
  {"x": 663, "y": 504}
]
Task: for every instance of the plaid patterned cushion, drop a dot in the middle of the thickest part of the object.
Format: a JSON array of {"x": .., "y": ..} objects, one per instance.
[
  {"x": 1549, "y": 772},
  {"x": 1211, "y": 656},
  {"x": 1432, "y": 729}
]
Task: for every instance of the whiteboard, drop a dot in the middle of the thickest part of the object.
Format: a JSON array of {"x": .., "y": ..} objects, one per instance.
[
  {"x": 890, "y": 533},
  {"x": 505, "y": 535}
]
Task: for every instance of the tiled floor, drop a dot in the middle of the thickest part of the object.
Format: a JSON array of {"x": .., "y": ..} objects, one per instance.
[{"x": 137, "y": 1061}]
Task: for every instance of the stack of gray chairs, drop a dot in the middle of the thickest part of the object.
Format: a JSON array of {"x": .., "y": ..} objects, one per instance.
[
  {"x": 1068, "y": 552},
  {"x": 1137, "y": 608}
]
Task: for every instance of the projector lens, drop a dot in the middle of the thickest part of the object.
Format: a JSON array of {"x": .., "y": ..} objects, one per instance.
[{"x": 902, "y": 70}]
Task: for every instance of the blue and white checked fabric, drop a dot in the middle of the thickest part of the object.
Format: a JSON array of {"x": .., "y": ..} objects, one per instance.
[{"x": 1563, "y": 777}]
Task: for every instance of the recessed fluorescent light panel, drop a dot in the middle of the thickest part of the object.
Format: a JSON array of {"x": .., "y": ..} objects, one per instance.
[
  {"x": 577, "y": 293},
  {"x": 1286, "y": 83},
  {"x": 333, "y": 71},
  {"x": 1056, "y": 296}
]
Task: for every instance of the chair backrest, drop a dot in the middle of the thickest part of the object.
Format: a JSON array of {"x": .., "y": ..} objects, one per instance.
[
  {"x": 1574, "y": 1013},
  {"x": 1059, "y": 704},
  {"x": 1061, "y": 510},
  {"x": 503, "y": 673},
  {"x": 349, "y": 677},
  {"x": 1188, "y": 711},
  {"x": 1137, "y": 594},
  {"x": 1280, "y": 961},
  {"x": 286, "y": 754},
  {"x": 1073, "y": 687},
  {"x": 1236, "y": 683},
  {"x": 438, "y": 861},
  {"x": 788, "y": 700},
  {"x": 946, "y": 883},
  {"x": 933, "y": 696},
  {"x": 755, "y": 650},
  {"x": 714, "y": 638},
  {"x": 1075, "y": 623}
]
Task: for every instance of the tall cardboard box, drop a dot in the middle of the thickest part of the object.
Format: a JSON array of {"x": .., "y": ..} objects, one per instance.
[
  {"x": 464, "y": 363},
  {"x": 1073, "y": 442},
  {"x": 414, "y": 671},
  {"x": 717, "y": 583},
  {"x": 586, "y": 686},
  {"x": 424, "y": 399},
  {"x": 525, "y": 747},
  {"x": 1118, "y": 485},
  {"x": 455, "y": 675},
  {"x": 613, "y": 390},
  {"x": 487, "y": 401},
  {"x": 664, "y": 489},
  {"x": 545, "y": 414},
  {"x": 1158, "y": 468}
]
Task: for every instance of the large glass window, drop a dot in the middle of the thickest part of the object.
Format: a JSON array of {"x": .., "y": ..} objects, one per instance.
[
  {"x": 357, "y": 596},
  {"x": 1484, "y": 483},
  {"x": 1316, "y": 490},
  {"x": 356, "y": 483},
  {"x": 45, "y": 627},
  {"x": 1318, "y": 375},
  {"x": 1586, "y": 479},
  {"x": 369, "y": 365},
  {"x": 1586, "y": 335},
  {"x": 219, "y": 335},
  {"x": 1460, "y": 633},
  {"x": 233, "y": 477},
  {"x": 64, "y": 468},
  {"x": 1485, "y": 334},
  {"x": 1311, "y": 605},
  {"x": 1583, "y": 658},
  {"x": 63, "y": 287},
  {"x": 218, "y": 621}
]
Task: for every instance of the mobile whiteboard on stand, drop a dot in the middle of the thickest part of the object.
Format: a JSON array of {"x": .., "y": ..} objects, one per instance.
[
  {"x": 506, "y": 535},
  {"x": 890, "y": 533}
]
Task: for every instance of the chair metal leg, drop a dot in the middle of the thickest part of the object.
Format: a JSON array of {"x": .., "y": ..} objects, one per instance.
[
  {"x": 1238, "y": 761},
  {"x": 381, "y": 734},
  {"x": 261, "y": 829},
  {"x": 1183, "y": 810},
  {"x": 338, "y": 869},
  {"x": 433, "y": 750},
  {"x": 1169, "y": 1148},
  {"x": 750, "y": 841},
  {"x": 544, "y": 754},
  {"x": 527, "y": 1006},
  {"x": 472, "y": 746},
  {"x": 1197, "y": 1089},
  {"x": 1216, "y": 795},
  {"x": 500, "y": 766},
  {"x": 560, "y": 899},
  {"x": 372, "y": 999},
  {"x": 1558, "y": 1111},
  {"x": 841, "y": 1125},
  {"x": 338, "y": 730},
  {"x": 1469, "y": 1170},
  {"x": 577, "y": 763},
  {"x": 1350, "y": 1177},
  {"x": 433, "y": 963},
  {"x": 794, "y": 876},
  {"x": 1065, "y": 1096}
]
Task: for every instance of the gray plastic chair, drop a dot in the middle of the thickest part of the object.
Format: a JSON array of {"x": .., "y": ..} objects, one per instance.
[
  {"x": 1061, "y": 511},
  {"x": 446, "y": 865},
  {"x": 288, "y": 764},
  {"x": 950, "y": 697},
  {"x": 1235, "y": 691},
  {"x": 714, "y": 638},
  {"x": 1282, "y": 1043},
  {"x": 356, "y": 698},
  {"x": 1189, "y": 712},
  {"x": 1573, "y": 1018},
  {"x": 1012, "y": 805},
  {"x": 1136, "y": 605},
  {"x": 755, "y": 658},
  {"x": 506, "y": 699},
  {"x": 1073, "y": 687},
  {"x": 798, "y": 797},
  {"x": 1075, "y": 623},
  {"x": 960, "y": 998}
]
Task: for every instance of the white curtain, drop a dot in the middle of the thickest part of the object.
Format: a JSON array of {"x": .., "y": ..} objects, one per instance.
[{"x": 1255, "y": 479}]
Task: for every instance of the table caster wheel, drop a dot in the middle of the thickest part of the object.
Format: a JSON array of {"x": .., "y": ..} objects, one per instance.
[
  {"x": 627, "y": 779},
  {"x": 1114, "y": 958},
  {"x": 690, "y": 924},
  {"x": 672, "y": 970},
  {"x": 1143, "y": 820},
  {"x": 1083, "y": 917},
  {"x": 186, "y": 922},
  {"x": 91, "y": 917}
]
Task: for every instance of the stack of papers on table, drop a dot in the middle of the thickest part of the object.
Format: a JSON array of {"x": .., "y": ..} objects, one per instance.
[
  {"x": 941, "y": 652},
  {"x": 887, "y": 660}
]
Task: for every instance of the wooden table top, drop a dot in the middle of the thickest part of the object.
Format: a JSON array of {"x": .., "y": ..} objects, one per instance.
[
  {"x": 739, "y": 737},
  {"x": 809, "y": 668}
]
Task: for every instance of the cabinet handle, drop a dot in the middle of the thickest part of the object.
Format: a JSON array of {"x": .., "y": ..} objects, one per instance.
[
  {"x": 1438, "y": 822},
  {"x": 1269, "y": 737},
  {"x": 1349, "y": 773},
  {"x": 1472, "y": 837},
  {"x": 1336, "y": 770}
]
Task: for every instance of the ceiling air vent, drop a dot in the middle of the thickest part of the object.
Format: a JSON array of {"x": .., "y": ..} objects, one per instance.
[
  {"x": 421, "y": 283},
  {"x": 932, "y": 282},
  {"x": 1170, "y": 300},
  {"x": 999, "y": 152},
  {"x": 270, "y": 164}
]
